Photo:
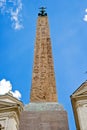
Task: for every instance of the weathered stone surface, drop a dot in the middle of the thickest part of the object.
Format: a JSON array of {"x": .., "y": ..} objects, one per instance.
[
  {"x": 43, "y": 80},
  {"x": 10, "y": 109},
  {"x": 46, "y": 106},
  {"x": 45, "y": 120},
  {"x": 79, "y": 104}
]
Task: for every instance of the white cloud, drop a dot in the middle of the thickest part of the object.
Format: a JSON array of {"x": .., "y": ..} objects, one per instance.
[
  {"x": 15, "y": 16},
  {"x": 13, "y": 8},
  {"x": 85, "y": 16},
  {"x": 86, "y": 10},
  {"x": 6, "y": 87},
  {"x": 16, "y": 94}
]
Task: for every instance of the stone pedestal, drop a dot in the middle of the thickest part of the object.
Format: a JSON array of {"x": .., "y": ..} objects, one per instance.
[{"x": 44, "y": 116}]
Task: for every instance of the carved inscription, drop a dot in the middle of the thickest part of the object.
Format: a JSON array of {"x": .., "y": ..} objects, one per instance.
[{"x": 43, "y": 80}]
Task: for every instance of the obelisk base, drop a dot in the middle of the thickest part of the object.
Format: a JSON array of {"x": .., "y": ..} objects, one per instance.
[{"x": 44, "y": 116}]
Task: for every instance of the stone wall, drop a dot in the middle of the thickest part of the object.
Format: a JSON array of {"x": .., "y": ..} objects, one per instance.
[{"x": 44, "y": 120}]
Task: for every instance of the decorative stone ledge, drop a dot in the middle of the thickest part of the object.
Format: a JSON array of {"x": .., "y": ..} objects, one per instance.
[{"x": 52, "y": 106}]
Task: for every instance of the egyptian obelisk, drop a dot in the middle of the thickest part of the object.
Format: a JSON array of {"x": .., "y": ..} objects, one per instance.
[
  {"x": 43, "y": 112},
  {"x": 43, "y": 81}
]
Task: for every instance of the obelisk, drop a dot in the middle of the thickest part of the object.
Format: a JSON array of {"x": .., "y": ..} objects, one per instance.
[
  {"x": 43, "y": 80},
  {"x": 43, "y": 112}
]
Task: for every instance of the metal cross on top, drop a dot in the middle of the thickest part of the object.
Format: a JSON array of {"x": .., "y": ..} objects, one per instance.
[{"x": 42, "y": 12}]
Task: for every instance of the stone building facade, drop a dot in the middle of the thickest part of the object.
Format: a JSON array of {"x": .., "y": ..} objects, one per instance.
[
  {"x": 79, "y": 104},
  {"x": 10, "y": 109}
]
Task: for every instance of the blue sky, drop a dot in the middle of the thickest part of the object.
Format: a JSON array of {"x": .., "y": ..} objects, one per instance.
[{"x": 68, "y": 30}]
